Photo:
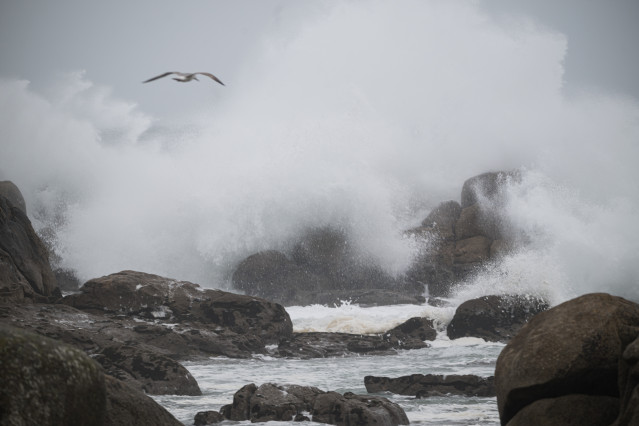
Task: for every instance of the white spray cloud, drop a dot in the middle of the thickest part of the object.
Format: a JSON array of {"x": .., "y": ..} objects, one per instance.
[{"x": 362, "y": 115}]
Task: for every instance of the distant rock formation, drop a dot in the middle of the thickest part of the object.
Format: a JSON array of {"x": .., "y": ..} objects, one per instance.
[
  {"x": 322, "y": 268},
  {"x": 578, "y": 361},
  {"x": 463, "y": 237}
]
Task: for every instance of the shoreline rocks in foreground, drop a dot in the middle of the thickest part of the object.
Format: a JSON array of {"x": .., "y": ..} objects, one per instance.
[
  {"x": 577, "y": 361},
  {"x": 46, "y": 382}
]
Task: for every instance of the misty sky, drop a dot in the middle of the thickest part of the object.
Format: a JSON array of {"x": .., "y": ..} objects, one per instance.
[{"x": 119, "y": 44}]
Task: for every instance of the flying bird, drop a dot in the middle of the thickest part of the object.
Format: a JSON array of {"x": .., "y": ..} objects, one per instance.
[{"x": 184, "y": 77}]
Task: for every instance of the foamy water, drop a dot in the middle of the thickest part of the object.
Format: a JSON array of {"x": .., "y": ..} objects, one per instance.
[
  {"x": 365, "y": 131},
  {"x": 220, "y": 378}
]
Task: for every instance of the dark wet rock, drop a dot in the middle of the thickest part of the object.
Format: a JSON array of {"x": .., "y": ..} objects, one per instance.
[
  {"x": 324, "y": 345},
  {"x": 45, "y": 382},
  {"x": 67, "y": 279},
  {"x": 207, "y": 418},
  {"x": 423, "y": 386},
  {"x": 155, "y": 298},
  {"x": 585, "y": 346},
  {"x": 569, "y": 410},
  {"x": 147, "y": 371},
  {"x": 322, "y": 267},
  {"x": 494, "y": 318},
  {"x": 273, "y": 402},
  {"x": 412, "y": 333},
  {"x": 351, "y": 409},
  {"x": 25, "y": 272},
  {"x": 126, "y": 406},
  {"x": 10, "y": 191}
]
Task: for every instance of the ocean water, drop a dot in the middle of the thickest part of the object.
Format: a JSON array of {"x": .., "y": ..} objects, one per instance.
[
  {"x": 220, "y": 378},
  {"x": 364, "y": 130}
]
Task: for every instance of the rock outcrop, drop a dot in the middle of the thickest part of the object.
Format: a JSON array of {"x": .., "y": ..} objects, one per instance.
[
  {"x": 46, "y": 382},
  {"x": 25, "y": 273},
  {"x": 153, "y": 298},
  {"x": 494, "y": 318},
  {"x": 272, "y": 402},
  {"x": 461, "y": 237},
  {"x": 581, "y": 353},
  {"x": 322, "y": 268},
  {"x": 424, "y": 386},
  {"x": 10, "y": 191}
]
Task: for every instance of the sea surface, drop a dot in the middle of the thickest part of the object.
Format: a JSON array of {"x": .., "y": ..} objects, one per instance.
[{"x": 220, "y": 378}]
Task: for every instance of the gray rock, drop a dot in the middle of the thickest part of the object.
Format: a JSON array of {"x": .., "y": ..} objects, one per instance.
[
  {"x": 25, "y": 272},
  {"x": 494, "y": 318},
  {"x": 569, "y": 410},
  {"x": 350, "y": 410},
  {"x": 45, "y": 382},
  {"x": 423, "y": 386},
  {"x": 577, "y": 347},
  {"x": 10, "y": 191}
]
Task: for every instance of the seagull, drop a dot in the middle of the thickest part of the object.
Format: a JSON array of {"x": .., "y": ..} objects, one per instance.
[{"x": 184, "y": 77}]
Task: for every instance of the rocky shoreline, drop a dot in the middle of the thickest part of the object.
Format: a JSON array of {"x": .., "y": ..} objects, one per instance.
[{"x": 123, "y": 335}]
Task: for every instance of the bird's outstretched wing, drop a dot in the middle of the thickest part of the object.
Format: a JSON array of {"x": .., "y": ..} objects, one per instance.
[
  {"x": 160, "y": 76},
  {"x": 208, "y": 74}
]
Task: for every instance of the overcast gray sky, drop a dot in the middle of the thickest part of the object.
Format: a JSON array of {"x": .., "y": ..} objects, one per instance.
[{"x": 120, "y": 43}]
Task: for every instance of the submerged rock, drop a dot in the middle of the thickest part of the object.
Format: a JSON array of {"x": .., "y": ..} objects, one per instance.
[
  {"x": 494, "y": 318},
  {"x": 423, "y": 386},
  {"x": 584, "y": 349}
]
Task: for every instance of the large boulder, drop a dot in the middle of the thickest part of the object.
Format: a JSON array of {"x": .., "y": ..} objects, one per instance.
[
  {"x": 423, "y": 386},
  {"x": 586, "y": 346},
  {"x": 155, "y": 298},
  {"x": 494, "y": 318},
  {"x": 487, "y": 187},
  {"x": 45, "y": 382},
  {"x": 25, "y": 272}
]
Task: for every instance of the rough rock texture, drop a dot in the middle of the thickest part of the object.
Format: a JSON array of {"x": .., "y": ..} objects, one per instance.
[
  {"x": 423, "y": 386},
  {"x": 272, "y": 402},
  {"x": 45, "y": 382},
  {"x": 458, "y": 239},
  {"x": 151, "y": 297},
  {"x": 147, "y": 370},
  {"x": 585, "y": 346},
  {"x": 25, "y": 273},
  {"x": 323, "y": 267},
  {"x": 494, "y": 318},
  {"x": 126, "y": 406},
  {"x": 350, "y": 409}
]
